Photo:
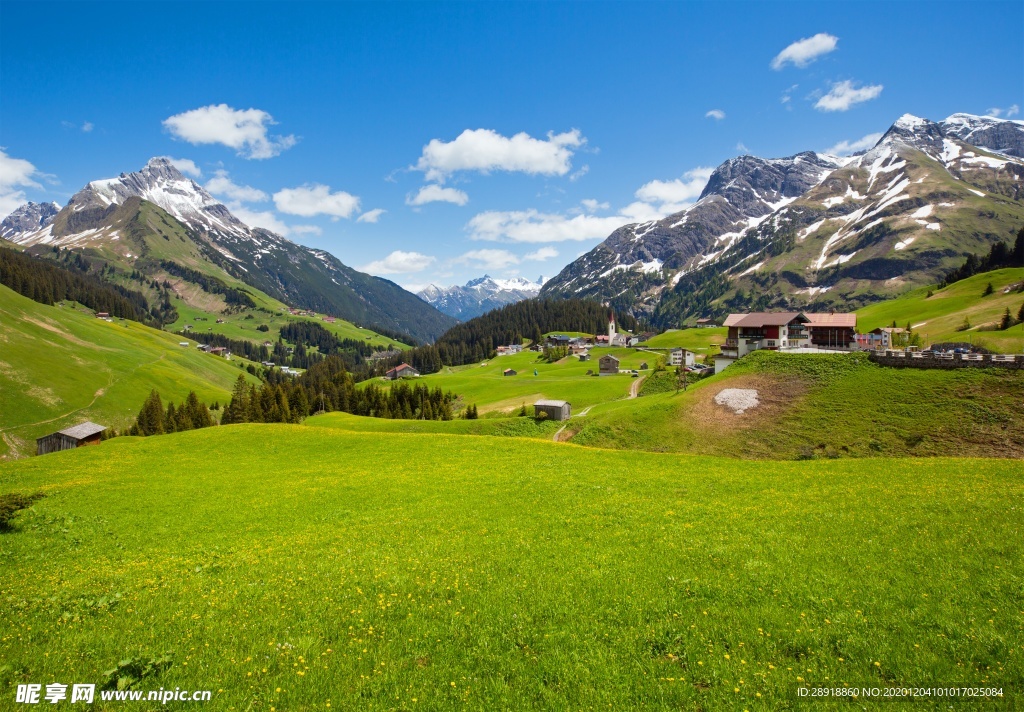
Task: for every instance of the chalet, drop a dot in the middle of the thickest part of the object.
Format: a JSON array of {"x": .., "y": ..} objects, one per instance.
[
  {"x": 681, "y": 357},
  {"x": 510, "y": 372},
  {"x": 329, "y": 319},
  {"x": 832, "y": 330},
  {"x": 601, "y": 340},
  {"x": 881, "y": 338},
  {"x": 402, "y": 370},
  {"x": 221, "y": 351},
  {"x": 86, "y": 433},
  {"x": 558, "y": 340},
  {"x": 552, "y": 409},
  {"x": 608, "y": 365},
  {"x": 102, "y": 315},
  {"x": 584, "y": 356},
  {"x": 705, "y": 323}
]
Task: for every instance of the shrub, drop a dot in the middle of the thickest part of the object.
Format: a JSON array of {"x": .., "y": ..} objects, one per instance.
[{"x": 11, "y": 504}]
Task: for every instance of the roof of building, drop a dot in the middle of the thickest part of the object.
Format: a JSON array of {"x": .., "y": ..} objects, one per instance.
[
  {"x": 83, "y": 430},
  {"x": 607, "y": 356},
  {"x": 756, "y": 319},
  {"x": 553, "y": 403},
  {"x": 401, "y": 366},
  {"x": 832, "y": 319}
]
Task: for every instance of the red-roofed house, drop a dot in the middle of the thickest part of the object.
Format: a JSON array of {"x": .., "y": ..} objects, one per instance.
[{"x": 402, "y": 370}]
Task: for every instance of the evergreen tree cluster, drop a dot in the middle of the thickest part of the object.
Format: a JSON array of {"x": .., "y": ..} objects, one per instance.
[
  {"x": 48, "y": 282},
  {"x": 212, "y": 285},
  {"x": 477, "y": 339},
  {"x": 1000, "y": 255},
  {"x": 328, "y": 386},
  {"x": 154, "y": 420}
]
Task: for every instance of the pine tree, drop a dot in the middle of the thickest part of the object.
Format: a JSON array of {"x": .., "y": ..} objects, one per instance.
[
  {"x": 1007, "y": 320},
  {"x": 237, "y": 411},
  {"x": 1020, "y": 314},
  {"x": 150, "y": 420},
  {"x": 988, "y": 290}
]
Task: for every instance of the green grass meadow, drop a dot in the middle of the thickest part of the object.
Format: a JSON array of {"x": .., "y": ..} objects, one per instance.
[{"x": 302, "y": 568}]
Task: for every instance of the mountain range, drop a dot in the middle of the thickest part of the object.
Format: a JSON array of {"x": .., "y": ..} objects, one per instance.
[
  {"x": 817, "y": 231},
  {"x": 139, "y": 221},
  {"x": 479, "y": 296}
]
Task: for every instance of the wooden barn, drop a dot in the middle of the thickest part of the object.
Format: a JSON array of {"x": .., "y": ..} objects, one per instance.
[
  {"x": 552, "y": 409},
  {"x": 609, "y": 364},
  {"x": 509, "y": 372},
  {"x": 402, "y": 370},
  {"x": 86, "y": 433}
]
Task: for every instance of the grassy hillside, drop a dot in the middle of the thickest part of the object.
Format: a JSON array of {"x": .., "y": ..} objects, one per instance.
[
  {"x": 439, "y": 572},
  {"x": 484, "y": 384},
  {"x": 939, "y": 316},
  {"x": 700, "y": 341},
  {"x": 823, "y": 405},
  {"x": 59, "y": 366}
]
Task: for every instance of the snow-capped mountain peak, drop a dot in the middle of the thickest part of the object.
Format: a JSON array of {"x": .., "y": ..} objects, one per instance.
[
  {"x": 479, "y": 295},
  {"x": 28, "y": 218}
]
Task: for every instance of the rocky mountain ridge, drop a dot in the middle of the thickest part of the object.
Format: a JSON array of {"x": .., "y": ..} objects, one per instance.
[{"x": 479, "y": 296}]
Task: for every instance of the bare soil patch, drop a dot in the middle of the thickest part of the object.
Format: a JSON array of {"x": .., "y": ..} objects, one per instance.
[{"x": 775, "y": 397}]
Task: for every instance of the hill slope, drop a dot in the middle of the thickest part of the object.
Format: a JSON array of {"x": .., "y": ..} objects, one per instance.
[{"x": 59, "y": 366}]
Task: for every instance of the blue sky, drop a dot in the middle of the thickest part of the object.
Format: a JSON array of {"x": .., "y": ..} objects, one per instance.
[{"x": 434, "y": 142}]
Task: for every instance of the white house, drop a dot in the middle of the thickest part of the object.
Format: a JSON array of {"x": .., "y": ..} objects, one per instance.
[{"x": 681, "y": 357}]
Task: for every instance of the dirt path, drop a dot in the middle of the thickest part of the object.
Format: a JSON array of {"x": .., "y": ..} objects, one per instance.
[{"x": 634, "y": 387}]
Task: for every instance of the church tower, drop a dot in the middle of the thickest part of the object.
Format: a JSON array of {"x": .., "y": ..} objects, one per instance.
[{"x": 611, "y": 328}]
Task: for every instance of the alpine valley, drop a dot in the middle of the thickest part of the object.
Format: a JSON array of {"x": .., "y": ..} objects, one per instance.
[
  {"x": 162, "y": 225},
  {"x": 479, "y": 296},
  {"x": 815, "y": 231}
]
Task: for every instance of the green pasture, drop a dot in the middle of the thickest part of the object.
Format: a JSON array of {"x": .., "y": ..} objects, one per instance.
[
  {"x": 700, "y": 341},
  {"x": 60, "y": 366},
  {"x": 939, "y": 316},
  {"x": 485, "y": 385},
  {"x": 296, "y": 568}
]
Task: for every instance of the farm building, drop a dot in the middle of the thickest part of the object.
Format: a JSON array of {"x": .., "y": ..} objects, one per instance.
[
  {"x": 584, "y": 356},
  {"x": 86, "y": 433},
  {"x": 509, "y": 372},
  {"x": 402, "y": 370},
  {"x": 552, "y": 409},
  {"x": 643, "y": 366},
  {"x": 705, "y": 323},
  {"x": 102, "y": 315},
  {"x": 608, "y": 364}
]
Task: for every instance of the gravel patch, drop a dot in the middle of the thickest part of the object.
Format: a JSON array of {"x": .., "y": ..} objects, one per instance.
[{"x": 738, "y": 400}]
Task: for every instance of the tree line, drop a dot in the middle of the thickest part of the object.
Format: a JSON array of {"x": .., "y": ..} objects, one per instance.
[
  {"x": 212, "y": 285},
  {"x": 999, "y": 255},
  {"x": 478, "y": 338},
  {"x": 47, "y": 282}
]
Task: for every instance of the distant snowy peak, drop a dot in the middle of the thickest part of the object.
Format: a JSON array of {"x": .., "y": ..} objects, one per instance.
[
  {"x": 998, "y": 135},
  {"x": 479, "y": 295},
  {"x": 28, "y": 218},
  {"x": 162, "y": 184}
]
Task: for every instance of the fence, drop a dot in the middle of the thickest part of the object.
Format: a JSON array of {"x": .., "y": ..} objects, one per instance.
[{"x": 911, "y": 359}]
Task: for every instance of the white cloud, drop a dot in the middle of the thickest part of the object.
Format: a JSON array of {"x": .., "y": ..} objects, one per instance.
[
  {"x": 371, "y": 216},
  {"x": 243, "y": 130},
  {"x": 844, "y": 95},
  {"x": 307, "y": 230},
  {"x": 485, "y": 150},
  {"x": 534, "y": 226},
  {"x": 675, "y": 195},
  {"x": 787, "y": 96},
  {"x": 15, "y": 173},
  {"x": 544, "y": 253},
  {"x": 592, "y": 206},
  {"x": 400, "y": 262},
  {"x": 87, "y": 126},
  {"x": 186, "y": 166},
  {"x": 844, "y": 148},
  {"x": 259, "y": 218},
  {"x": 487, "y": 259},
  {"x": 656, "y": 200},
  {"x": 803, "y": 52},
  {"x": 996, "y": 113},
  {"x": 583, "y": 170},
  {"x": 436, "y": 194},
  {"x": 716, "y": 114},
  {"x": 221, "y": 184},
  {"x": 742, "y": 148},
  {"x": 309, "y": 200}
]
